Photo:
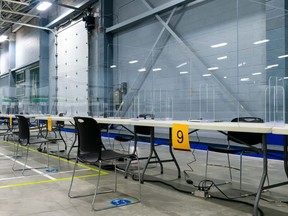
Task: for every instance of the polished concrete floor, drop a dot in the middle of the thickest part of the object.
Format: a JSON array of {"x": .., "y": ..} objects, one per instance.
[{"x": 43, "y": 192}]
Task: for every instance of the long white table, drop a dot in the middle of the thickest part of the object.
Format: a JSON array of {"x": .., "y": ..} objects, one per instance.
[{"x": 214, "y": 126}]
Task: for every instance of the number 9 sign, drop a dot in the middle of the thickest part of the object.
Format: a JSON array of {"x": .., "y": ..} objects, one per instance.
[{"x": 180, "y": 137}]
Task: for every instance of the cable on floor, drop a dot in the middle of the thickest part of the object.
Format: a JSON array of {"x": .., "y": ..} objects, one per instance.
[{"x": 203, "y": 186}]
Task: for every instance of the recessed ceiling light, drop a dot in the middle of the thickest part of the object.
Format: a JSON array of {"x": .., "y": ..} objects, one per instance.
[
  {"x": 3, "y": 38},
  {"x": 142, "y": 69},
  {"x": 206, "y": 75},
  {"x": 257, "y": 73},
  {"x": 181, "y": 65},
  {"x": 283, "y": 56},
  {"x": 245, "y": 79},
  {"x": 133, "y": 61},
  {"x": 212, "y": 68},
  {"x": 156, "y": 69},
  {"x": 218, "y": 45},
  {"x": 222, "y": 58},
  {"x": 261, "y": 41},
  {"x": 183, "y": 72},
  {"x": 44, "y": 5},
  {"x": 271, "y": 66},
  {"x": 225, "y": 77}
]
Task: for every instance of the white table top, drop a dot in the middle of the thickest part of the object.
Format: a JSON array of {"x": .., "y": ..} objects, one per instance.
[{"x": 216, "y": 126}]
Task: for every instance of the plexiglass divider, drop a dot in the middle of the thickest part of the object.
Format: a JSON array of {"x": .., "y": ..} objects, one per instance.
[{"x": 275, "y": 102}]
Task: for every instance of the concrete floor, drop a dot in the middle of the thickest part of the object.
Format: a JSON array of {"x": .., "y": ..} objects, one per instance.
[{"x": 43, "y": 192}]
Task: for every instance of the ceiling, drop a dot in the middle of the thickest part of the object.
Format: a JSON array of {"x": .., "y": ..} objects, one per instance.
[{"x": 12, "y": 11}]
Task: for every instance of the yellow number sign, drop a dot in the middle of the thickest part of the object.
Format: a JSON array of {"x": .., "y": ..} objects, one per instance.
[
  {"x": 49, "y": 124},
  {"x": 180, "y": 137},
  {"x": 10, "y": 120}
]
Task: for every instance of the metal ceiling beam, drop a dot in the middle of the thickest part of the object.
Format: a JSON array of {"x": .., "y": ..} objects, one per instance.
[
  {"x": 71, "y": 13},
  {"x": 16, "y": 2},
  {"x": 160, "y": 9},
  {"x": 19, "y": 13}
]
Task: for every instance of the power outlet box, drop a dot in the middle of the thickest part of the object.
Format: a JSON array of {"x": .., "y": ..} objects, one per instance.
[{"x": 202, "y": 194}]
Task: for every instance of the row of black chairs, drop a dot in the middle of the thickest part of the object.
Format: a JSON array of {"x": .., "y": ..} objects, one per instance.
[{"x": 91, "y": 149}]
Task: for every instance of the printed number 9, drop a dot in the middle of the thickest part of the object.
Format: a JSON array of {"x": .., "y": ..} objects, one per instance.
[{"x": 180, "y": 136}]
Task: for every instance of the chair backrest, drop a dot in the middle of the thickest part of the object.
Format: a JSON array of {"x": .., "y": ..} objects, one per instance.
[
  {"x": 89, "y": 136},
  {"x": 144, "y": 130},
  {"x": 23, "y": 126},
  {"x": 247, "y": 138}
]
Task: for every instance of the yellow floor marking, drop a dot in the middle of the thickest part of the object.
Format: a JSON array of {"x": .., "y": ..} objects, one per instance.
[
  {"x": 54, "y": 179},
  {"x": 45, "y": 181}
]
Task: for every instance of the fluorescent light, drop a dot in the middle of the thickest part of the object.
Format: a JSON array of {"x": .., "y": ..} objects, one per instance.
[
  {"x": 261, "y": 41},
  {"x": 206, "y": 75},
  {"x": 156, "y": 69},
  {"x": 181, "y": 65},
  {"x": 257, "y": 73},
  {"x": 213, "y": 68},
  {"x": 3, "y": 38},
  {"x": 225, "y": 77},
  {"x": 245, "y": 79},
  {"x": 283, "y": 56},
  {"x": 222, "y": 58},
  {"x": 183, "y": 72},
  {"x": 44, "y": 5},
  {"x": 113, "y": 66},
  {"x": 142, "y": 69},
  {"x": 271, "y": 66},
  {"x": 133, "y": 61},
  {"x": 285, "y": 77},
  {"x": 218, "y": 45}
]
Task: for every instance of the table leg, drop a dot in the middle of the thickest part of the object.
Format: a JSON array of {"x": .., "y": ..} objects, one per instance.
[
  {"x": 264, "y": 176},
  {"x": 150, "y": 154},
  {"x": 172, "y": 154}
]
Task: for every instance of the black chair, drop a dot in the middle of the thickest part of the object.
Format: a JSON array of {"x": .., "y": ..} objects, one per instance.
[
  {"x": 25, "y": 139},
  {"x": 90, "y": 150},
  {"x": 247, "y": 141}
]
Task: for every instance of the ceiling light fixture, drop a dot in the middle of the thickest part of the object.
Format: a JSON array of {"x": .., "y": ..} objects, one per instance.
[
  {"x": 3, "y": 38},
  {"x": 271, "y": 66},
  {"x": 44, "y": 5},
  {"x": 283, "y": 56},
  {"x": 157, "y": 69},
  {"x": 142, "y": 69},
  {"x": 133, "y": 61},
  {"x": 261, "y": 41},
  {"x": 213, "y": 68},
  {"x": 222, "y": 58},
  {"x": 206, "y": 75},
  {"x": 181, "y": 65},
  {"x": 257, "y": 73},
  {"x": 218, "y": 45},
  {"x": 183, "y": 72},
  {"x": 113, "y": 66}
]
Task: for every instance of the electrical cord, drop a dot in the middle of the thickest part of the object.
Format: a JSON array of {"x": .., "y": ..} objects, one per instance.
[{"x": 202, "y": 186}]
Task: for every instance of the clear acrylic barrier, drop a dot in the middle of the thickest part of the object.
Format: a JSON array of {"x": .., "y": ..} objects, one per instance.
[{"x": 275, "y": 102}]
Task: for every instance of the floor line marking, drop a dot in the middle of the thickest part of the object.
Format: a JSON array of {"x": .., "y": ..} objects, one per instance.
[
  {"x": 29, "y": 167},
  {"x": 61, "y": 159}
]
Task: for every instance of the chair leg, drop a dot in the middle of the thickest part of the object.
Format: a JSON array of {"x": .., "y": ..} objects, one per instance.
[
  {"x": 241, "y": 154},
  {"x": 206, "y": 166},
  {"x": 115, "y": 177},
  {"x": 72, "y": 179},
  {"x": 15, "y": 156},
  {"x": 139, "y": 178},
  {"x": 97, "y": 185},
  {"x": 229, "y": 166},
  {"x": 26, "y": 159}
]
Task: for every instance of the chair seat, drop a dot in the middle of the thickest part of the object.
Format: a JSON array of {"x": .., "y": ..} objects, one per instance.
[
  {"x": 124, "y": 138},
  {"x": 37, "y": 140},
  {"x": 105, "y": 155},
  {"x": 224, "y": 150}
]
